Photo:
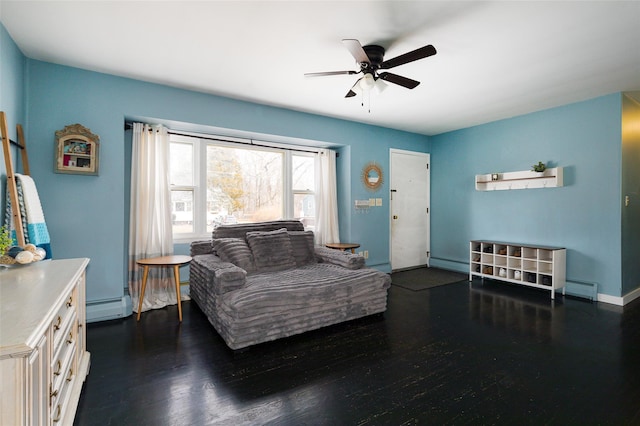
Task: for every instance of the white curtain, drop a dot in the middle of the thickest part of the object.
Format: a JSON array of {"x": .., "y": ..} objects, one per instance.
[
  {"x": 150, "y": 230},
  {"x": 326, "y": 230}
]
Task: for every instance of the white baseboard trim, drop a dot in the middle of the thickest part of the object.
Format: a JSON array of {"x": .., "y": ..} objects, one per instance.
[
  {"x": 456, "y": 265},
  {"x": 631, "y": 296},
  {"x": 613, "y": 300},
  {"x": 104, "y": 310}
]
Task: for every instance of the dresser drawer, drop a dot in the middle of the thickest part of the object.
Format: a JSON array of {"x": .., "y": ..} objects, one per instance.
[
  {"x": 63, "y": 318},
  {"x": 59, "y": 397},
  {"x": 62, "y": 358}
]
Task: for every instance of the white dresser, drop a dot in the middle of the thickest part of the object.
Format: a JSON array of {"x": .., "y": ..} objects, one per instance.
[{"x": 43, "y": 356}]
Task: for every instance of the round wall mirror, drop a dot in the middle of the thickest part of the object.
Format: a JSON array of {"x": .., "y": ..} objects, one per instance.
[{"x": 372, "y": 176}]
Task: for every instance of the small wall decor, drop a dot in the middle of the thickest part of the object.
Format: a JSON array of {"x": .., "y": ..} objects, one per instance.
[
  {"x": 372, "y": 176},
  {"x": 77, "y": 151},
  {"x": 550, "y": 178}
]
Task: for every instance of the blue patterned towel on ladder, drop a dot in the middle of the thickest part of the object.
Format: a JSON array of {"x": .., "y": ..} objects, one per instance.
[{"x": 33, "y": 223}]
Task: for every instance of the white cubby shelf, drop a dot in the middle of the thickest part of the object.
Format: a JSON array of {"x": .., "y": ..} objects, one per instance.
[
  {"x": 536, "y": 266},
  {"x": 550, "y": 178}
]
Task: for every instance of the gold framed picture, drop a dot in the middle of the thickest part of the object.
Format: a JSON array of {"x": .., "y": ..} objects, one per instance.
[{"x": 77, "y": 151}]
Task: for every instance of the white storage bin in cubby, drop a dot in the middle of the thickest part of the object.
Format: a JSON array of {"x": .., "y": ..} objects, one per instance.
[
  {"x": 530, "y": 265},
  {"x": 514, "y": 274}
]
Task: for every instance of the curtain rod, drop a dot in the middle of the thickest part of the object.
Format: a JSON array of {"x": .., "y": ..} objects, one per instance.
[{"x": 129, "y": 126}]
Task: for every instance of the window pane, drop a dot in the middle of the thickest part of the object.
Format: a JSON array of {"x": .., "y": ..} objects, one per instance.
[
  {"x": 304, "y": 210},
  {"x": 303, "y": 173},
  {"x": 182, "y": 212},
  {"x": 181, "y": 164},
  {"x": 243, "y": 185}
]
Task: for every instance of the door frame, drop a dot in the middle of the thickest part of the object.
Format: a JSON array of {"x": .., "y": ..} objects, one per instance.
[{"x": 427, "y": 156}]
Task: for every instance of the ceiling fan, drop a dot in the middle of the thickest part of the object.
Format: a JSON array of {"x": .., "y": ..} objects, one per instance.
[{"x": 371, "y": 59}]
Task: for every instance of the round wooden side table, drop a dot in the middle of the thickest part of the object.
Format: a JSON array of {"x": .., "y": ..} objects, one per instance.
[
  {"x": 176, "y": 262},
  {"x": 343, "y": 246}
]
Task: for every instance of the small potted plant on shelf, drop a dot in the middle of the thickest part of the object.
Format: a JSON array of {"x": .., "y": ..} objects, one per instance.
[{"x": 539, "y": 168}]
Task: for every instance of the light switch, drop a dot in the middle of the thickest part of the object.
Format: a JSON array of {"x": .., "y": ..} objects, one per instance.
[
  {"x": 372, "y": 202},
  {"x": 378, "y": 202}
]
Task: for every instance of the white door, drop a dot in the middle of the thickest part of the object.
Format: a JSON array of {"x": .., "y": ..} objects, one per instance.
[{"x": 409, "y": 184}]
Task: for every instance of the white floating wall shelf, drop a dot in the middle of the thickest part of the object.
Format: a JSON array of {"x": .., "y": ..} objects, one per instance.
[{"x": 550, "y": 178}]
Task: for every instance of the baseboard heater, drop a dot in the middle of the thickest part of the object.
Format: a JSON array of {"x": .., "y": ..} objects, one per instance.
[
  {"x": 575, "y": 288},
  {"x": 103, "y": 310}
]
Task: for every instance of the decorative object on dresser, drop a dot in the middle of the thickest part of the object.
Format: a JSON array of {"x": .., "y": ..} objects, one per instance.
[
  {"x": 43, "y": 356},
  {"x": 77, "y": 150},
  {"x": 24, "y": 216},
  {"x": 531, "y": 265}
]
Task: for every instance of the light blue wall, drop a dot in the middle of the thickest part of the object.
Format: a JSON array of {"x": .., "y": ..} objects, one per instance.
[
  {"x": 583, "y": 216},
  {"x": 87, "y": 216},
  {"x": 12, "y": 94}
]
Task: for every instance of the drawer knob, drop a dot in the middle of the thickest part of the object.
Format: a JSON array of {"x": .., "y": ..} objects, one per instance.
[
  {"x": 56, "y": 417},
  {"x": 58, "y": 368},
  {"x": 52, "y": 393},
  {"x": 56, "y": 326},
  {"x": 70, "y": 339},
  {"x": 70, "y": 301},
  {"x": 70, "y": 375}
]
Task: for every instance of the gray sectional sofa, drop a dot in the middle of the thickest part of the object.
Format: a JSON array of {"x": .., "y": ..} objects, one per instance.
[{"x": 263, "y": 281}]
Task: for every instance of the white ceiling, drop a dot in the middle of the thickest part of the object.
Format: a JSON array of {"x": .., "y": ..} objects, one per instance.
[{"x": 494, "y": 60}]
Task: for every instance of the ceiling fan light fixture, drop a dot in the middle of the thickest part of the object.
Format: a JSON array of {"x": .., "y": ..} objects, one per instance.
[
  {"x": 380, "y": 86},
  {"x": 367, "y": 82}
]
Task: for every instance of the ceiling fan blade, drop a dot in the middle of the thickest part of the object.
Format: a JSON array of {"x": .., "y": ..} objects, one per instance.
[
  {"x": 351, "y": 93},
  {"x": 355, "y": 48},
  {"x": 321, "y": 74},
  {"x": 398, "y": 79},
  {"x": 414, "y": 55}
]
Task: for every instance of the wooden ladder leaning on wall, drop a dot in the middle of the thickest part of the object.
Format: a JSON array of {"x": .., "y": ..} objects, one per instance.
[{"x": 11, "y": 178}]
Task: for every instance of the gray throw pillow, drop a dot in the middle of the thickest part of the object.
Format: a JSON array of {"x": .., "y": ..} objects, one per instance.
[
  {"x": 302, "y": 244},
  {"x": 271, "y": 250},
  {"x": 234, "y": 250}
]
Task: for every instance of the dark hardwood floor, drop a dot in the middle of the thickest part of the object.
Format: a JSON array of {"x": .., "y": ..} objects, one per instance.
[{"x": 487, "y": 353}]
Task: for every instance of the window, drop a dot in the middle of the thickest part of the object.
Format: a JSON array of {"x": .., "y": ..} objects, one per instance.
[
  {"x": 216, "y": 182},
  {"x": 182, "y": 187},
  {"x": 303, "y": 187}
]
